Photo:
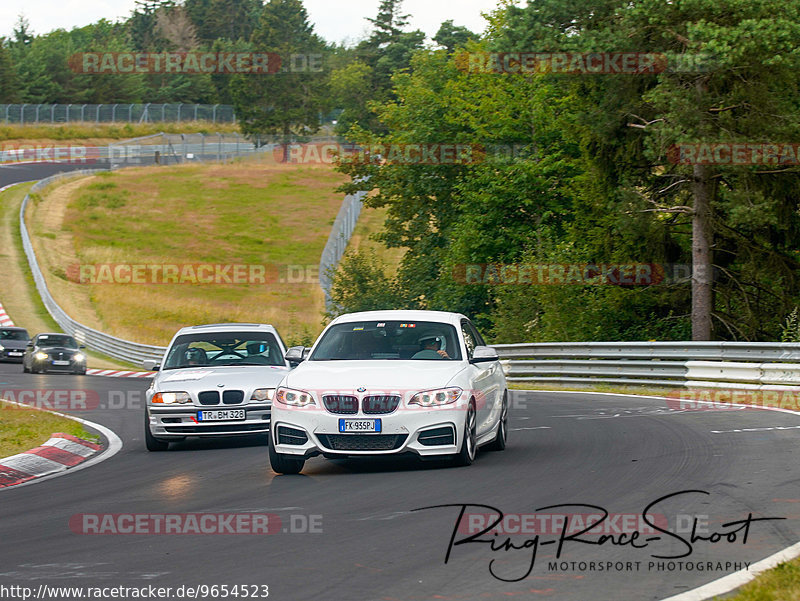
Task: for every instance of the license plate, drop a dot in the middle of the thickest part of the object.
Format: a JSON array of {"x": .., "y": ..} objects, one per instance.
[
  {"x": 221, "y": 416},
  {"x": 13, "y": 354},
  {"x": 60, "y": 362},
  {"x": 359, "y": 425}
]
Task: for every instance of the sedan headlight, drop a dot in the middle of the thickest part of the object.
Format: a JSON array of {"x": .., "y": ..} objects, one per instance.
[
  {"x": 41, "y": 356},
  {"x": 263, "y": 394},
  {"x": 294, "y": 398},
  {"x": 79, "y": 357},
  {"x": 171, "y": 398},
  {"x": 2, "y": 348},
  {"x": 434, "y": 398}
]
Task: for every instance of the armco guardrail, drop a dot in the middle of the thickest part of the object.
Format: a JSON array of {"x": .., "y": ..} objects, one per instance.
[
  {"x": 752, "y": 365},
  {"x": 339, "y": 237},
  {"x": 125, "y": 350}
]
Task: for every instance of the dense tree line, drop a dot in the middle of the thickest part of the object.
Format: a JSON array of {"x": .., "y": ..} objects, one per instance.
[
  {"x": 589, "y": 179},
  {"x": 570, "y": 168}
]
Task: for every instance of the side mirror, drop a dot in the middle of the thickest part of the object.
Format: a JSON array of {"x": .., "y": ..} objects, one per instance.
[
  {"x": 296, "y": 355},
  {"x": 83, "y": 346},
  {"x": 30, "y": 344},
  {"x": 150, "y": 365},
  {"x": 484, "y": 354}
]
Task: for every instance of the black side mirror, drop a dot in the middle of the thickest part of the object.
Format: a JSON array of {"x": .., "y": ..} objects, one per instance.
[{"x": 30, "y": 344}]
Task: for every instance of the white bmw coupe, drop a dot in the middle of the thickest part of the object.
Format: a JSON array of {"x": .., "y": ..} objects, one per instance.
[{"x": 390, "y": 382}]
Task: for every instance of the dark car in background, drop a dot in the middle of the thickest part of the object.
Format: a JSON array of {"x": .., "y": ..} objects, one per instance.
[
  {"x": 54, "y": 352},
  {"x": 12, "y": 343}
]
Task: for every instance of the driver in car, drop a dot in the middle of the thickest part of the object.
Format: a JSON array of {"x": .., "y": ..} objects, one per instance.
[
  {"x": 431, "y": 349},
  {"x": 196, "y": 356}
]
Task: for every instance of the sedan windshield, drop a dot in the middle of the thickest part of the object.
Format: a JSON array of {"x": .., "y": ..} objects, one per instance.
[
  {"x": 227, "y": 348},
  {"x": 14, "y": 335},
  {"x": 53, "y": 341},
  {"x": 374, "y": 340}
]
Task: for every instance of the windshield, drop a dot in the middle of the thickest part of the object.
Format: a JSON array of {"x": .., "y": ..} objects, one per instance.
[
  {"x": 374, "y": 340},
  {"x": 216, "y": 349},
  {"x": 51, "y": 341},
  {"x": 14, "y": 335}
]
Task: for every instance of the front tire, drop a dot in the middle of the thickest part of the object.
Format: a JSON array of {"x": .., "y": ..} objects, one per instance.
[
  {"x": 152, "y": 443},
  {"x": 282, "y": 463},
  {"x": 499, "y": 443},
  {"x": 25, "y": 369},
  {"x": 469, "y": 446}
]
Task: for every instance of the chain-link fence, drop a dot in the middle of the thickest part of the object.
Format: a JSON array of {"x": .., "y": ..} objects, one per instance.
[{"x": 116, "y": 113}]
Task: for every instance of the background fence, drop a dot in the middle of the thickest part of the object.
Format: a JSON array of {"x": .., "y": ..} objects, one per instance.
[
  {"x": 116, "y": 113},
  {"x": 338, "y": 239}
]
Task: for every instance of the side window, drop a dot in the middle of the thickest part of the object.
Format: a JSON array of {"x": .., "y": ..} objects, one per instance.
[
  {"x": 478, "y": 338},
  {"x": 469, "y": 338}
]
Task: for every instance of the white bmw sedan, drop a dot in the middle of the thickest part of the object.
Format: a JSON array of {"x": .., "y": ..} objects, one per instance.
[
  {"x": 216, "y": 380},
  {"x": 390, "y": 382}
]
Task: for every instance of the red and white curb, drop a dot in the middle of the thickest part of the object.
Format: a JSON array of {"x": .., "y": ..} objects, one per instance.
[
  {"x": 5, "y": 320},
  {"x": 115, "y": 373},
  {"x": 61, "y": 452}
]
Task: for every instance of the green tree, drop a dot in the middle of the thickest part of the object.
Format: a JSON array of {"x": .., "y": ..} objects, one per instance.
[
  {"x": 735, "y": 222},
  {"x": 288, "y": 102},
  {"x": 453, "y": 36},
  {"x": 8, "y": 75}
]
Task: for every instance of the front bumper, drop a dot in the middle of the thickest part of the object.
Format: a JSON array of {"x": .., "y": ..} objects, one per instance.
[
  {"x": 50, "y": 365},
  {"x": 181, "y": 421},
  {"x": 5, "y": 355},
  {"x": 425, "y": 432}
]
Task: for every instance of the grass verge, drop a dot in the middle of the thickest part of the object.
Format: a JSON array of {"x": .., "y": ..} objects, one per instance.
[
  {"x": 22, "y": 429},
  {"x": 252, "y": 213},
  {"x": 101, "y": 133},
  {"x": 19, "y": 296}
]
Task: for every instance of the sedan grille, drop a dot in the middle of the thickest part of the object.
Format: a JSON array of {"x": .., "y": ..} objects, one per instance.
[
  {"x": 362, "y": 442},
  {"x": 208, "y": 397},
  {"x": 232, "y": 397},
  {"x": 374, "y": 405},
  {"x": 341, "y": 404}
]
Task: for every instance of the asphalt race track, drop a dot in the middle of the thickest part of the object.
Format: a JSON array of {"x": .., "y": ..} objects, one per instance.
[
  {"x": 618, "y": 453},
  {"x": 347, "y": 529}
]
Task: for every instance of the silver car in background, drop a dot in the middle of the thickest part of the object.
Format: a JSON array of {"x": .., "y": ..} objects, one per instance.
[{"x": 215, "y": 380}]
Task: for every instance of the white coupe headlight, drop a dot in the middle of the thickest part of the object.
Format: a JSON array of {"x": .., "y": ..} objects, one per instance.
[
  {"x": 171, "y": 398},
  {"x": 40, "y": 356},
  {"x": 434, "y": 398},
  {"x": 294, "y": 398},
  {"x": 79, "y": 357},
  {"x": 263, "y": 394}
]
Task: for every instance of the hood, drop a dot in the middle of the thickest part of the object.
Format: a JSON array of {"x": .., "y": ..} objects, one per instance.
[
  {"x": 207, "y": 378},
  {"x": 373, "y": 375},
  {"x": 17, "y": 345},
  {"x": 58, "y": 349}
]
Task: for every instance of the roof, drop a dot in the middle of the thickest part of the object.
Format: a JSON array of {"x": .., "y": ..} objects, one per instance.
[{"x": 400, "y": 315}]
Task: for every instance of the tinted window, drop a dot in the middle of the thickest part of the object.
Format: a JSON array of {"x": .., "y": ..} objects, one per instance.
[
  {"x": 13, "y": 335},
  {"x": 392, "y": 340},
  {"x": 469, "y": 338},
  {"x": 228, "y": 348},
  {"x": 56, "y": 340}
]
